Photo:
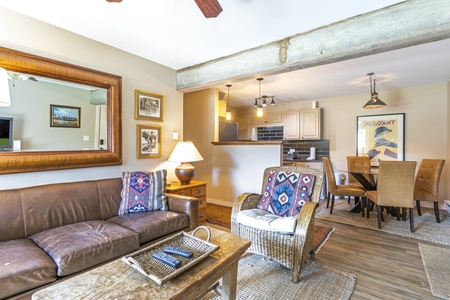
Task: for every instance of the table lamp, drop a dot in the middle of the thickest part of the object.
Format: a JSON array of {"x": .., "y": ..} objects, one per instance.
[
  {"x": 185, "y": 153},
  {"x": 5, "y": 99}
]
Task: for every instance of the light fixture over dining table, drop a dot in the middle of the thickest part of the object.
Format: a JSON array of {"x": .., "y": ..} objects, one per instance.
[
  {"x": 374, "y": 101},
  {"x": 228, "y": 115},
  {"x": 261, "y": 101}
]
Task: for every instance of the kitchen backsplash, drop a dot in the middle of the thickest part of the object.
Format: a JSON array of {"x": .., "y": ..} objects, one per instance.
[
  {"x": 302, "y": 149},
  {"x": 271, "y": 133}
]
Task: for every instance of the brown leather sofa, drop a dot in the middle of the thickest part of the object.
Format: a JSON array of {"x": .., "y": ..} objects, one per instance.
[{"x": 53, "y": 231}]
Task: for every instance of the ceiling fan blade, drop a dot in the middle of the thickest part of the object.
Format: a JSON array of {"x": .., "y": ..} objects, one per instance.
[
  {"x": 209, "y": 8},
  {"x": 114, "y": 0}
]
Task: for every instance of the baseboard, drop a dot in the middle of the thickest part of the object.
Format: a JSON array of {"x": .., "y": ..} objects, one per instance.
[{"x": 219, "y": 202}]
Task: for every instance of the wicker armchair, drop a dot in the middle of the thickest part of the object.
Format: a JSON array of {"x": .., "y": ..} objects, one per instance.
[{"x": 290, "y": 250}]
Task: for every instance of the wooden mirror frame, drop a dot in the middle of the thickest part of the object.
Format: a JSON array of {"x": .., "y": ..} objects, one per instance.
[{"x": 34, "y": 161}]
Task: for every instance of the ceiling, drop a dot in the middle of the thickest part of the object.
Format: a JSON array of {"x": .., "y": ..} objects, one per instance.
[{"x": 175, "y": 33}]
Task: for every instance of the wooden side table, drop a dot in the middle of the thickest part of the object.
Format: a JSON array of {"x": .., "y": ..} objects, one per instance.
[{"x": 195, "y": 189}]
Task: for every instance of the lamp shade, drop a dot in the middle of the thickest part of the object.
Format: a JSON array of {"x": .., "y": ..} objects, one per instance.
[
  {"x": 184, "y": 153},
  {"x": 5, "y": 98},
  {"x": 374, "y": 102}
]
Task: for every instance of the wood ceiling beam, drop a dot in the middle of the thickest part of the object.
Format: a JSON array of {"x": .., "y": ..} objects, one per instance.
[{"x": 406, "y": 24}]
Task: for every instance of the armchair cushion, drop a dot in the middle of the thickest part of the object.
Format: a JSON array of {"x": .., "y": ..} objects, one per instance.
[
  {"x": 143, "y": 191},
  {"x": 286, "y": 192},
  {"x": 264, "y": 220}
]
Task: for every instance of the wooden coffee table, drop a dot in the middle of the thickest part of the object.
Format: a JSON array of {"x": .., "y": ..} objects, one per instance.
[{"x": 117, "y": 280}]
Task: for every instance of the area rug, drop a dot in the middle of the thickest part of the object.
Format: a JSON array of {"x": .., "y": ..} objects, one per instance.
[
  {"x": 436, "y": 261},
  {"x": 262, "y": 279},
  {"x": 221, "y": 215},
  {"x": 426, "y": 227}
]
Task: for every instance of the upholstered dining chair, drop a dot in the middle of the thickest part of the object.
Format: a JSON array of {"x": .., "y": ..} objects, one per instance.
[
  {"x": 426, "y": 187},
  {"x": 360, "y": 164},
  {"x": 341, "y": 190},
  {"x": 279, "y": 221},
  {"x": 395, "y": 188}
]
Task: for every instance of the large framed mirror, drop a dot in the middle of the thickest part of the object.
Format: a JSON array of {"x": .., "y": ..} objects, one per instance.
[{"x": 106, "y": 149}]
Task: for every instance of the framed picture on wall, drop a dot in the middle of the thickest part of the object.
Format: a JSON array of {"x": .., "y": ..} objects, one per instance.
[
  {"x": 381, "y": 137},
  {"x": 148, "y": 141},
  {"x": 148, "y": 106},
  {"x": 65, "y": 116}
]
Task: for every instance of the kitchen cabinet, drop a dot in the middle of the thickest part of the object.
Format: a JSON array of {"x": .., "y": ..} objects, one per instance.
[
  {"x": 317, "y": 165},
  {"x": 291, "y": 120},
  {"x": 304, "y": 124},
  {"x": 310, "y": 124},
  {"x": 195, "y": 189},
  {"x": 273, "y": 118}
]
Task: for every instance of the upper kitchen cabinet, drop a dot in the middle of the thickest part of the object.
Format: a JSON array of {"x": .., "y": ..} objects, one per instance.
[
  {"x": 272, "y": 119},
  {"x": 303, "y": 125},
  {"x": 310, "y": 124},
  {"x": 291, "y": 121}
]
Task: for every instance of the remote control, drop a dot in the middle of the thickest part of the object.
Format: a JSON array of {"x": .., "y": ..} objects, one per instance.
[
  {"x": 167, "y": 259},
  {"x": 179, "y": 251}
]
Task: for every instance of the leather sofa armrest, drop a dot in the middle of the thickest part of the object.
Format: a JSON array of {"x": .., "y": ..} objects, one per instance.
[{"x": 185, "y": 204}]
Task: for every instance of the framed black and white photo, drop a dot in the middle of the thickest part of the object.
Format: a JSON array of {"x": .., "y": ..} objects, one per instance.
[
  {"x": 148, "y": 141},
  {"x": 148, "y": 106}
]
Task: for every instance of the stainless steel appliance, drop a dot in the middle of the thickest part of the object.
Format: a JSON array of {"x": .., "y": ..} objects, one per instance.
[{"x": 228, "y": 131}]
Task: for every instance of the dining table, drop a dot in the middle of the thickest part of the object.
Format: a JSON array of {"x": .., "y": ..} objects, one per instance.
[{"x": 368, "y": 182}]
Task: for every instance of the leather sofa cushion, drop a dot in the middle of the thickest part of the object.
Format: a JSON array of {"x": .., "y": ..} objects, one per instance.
[
  {"x": 78, "y": 246},
  {"x": 12, "y": 225},
  {"x": 151, "y": 225},
  {"x": 23, "y": 266}
]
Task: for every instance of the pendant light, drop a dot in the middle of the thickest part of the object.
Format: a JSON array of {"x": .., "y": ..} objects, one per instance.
[
  {"x": 228, "y": 116},
  {"x": 261, "y": 101},
  {"x": 374, "y": 101}
]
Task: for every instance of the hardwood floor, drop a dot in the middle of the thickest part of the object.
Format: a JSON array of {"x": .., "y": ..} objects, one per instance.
[{"x": 386, "y": 266}]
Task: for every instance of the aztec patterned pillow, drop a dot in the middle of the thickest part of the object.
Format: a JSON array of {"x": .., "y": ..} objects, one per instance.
[
  {"x": 285, "y": 193},
  {"x": 143, "y": 191}
]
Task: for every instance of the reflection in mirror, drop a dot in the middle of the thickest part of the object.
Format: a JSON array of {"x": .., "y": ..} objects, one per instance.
[
  {"x": 32, "y": 98},
  {"x": 65, "y": 116}
]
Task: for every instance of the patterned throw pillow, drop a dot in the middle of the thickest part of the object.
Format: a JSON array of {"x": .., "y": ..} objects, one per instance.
[
  {"x": 143, "y": 191},
  {"x": 285, "y": 193}
]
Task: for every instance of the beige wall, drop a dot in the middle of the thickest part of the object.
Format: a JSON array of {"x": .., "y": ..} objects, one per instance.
[
  {"x": 30, "y": 110},
  {"x": 201, "y": 110},
  {"x": 28, "y": 35},
  {"x": 426, "y": 136}
]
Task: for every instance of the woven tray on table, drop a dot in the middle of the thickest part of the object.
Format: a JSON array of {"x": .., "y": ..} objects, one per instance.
[{"x": 160, "y": 272}]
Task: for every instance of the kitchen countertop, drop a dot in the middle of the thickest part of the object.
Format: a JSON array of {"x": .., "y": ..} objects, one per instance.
[
  {"x": 300, "y": 160},
  {"x": 248, "y": 143}
]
